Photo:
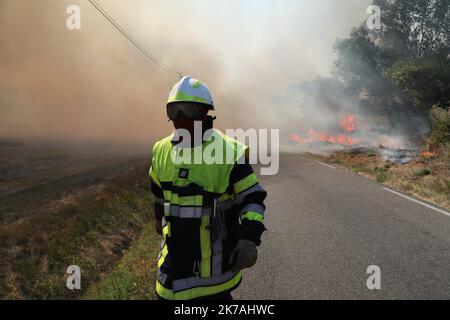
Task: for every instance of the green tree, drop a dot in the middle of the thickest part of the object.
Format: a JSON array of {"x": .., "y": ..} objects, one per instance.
[
  {"x": 426, "y": 81},
  {"x": 402, "y": 66},
  {"x": 415, "y": 28}
]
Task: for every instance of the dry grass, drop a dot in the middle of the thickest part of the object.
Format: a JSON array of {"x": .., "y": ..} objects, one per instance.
[
  {"x": 134, "y": 276},
  {"x": 89, "y": 225}
]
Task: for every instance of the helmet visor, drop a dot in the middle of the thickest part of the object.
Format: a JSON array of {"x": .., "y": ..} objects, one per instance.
[{"x": 191, "y": 111}]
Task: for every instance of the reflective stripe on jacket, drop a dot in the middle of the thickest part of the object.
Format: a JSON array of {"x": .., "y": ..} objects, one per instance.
[{"x": 203, "y": 208}]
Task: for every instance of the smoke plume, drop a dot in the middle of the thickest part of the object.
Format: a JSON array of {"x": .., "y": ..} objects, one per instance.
[{"x": 92, "y": 84}]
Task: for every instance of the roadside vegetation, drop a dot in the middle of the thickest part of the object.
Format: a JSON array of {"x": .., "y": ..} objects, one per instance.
[
  {"x": 427, "y": 177},
  {"x": 133, "y": 278},
  {"x": 98, "y": 219},
  {"x": 400, "y": 73}
]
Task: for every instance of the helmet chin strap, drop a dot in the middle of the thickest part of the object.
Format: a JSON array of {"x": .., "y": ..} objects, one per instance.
[{"x": 209, "y": 122}]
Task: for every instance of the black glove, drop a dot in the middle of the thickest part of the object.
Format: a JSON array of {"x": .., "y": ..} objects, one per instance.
[{"x": 244, "y": 255}]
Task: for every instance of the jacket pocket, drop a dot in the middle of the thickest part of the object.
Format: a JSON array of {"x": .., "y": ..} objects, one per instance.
[{"x": 184, "y": 246}]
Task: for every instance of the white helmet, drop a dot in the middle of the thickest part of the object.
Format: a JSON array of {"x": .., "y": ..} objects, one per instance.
[{"x": 190, "y": 90}]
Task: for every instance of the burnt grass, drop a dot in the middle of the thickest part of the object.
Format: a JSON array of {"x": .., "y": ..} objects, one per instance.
[{"x": 86, "y": 219}]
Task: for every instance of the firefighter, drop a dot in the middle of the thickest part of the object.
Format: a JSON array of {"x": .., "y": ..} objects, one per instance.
[{"x": 210, "y": 216}]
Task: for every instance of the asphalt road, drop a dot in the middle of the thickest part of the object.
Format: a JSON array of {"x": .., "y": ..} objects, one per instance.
[{"x": 326, "y": 226}]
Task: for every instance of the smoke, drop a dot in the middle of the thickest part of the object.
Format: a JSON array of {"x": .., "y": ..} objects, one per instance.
[
  {"x": 92, "y": 84},
  {"x": 322, "y": 118}
]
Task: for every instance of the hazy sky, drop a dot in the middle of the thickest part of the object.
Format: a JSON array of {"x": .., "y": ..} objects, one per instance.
[{"x": 92, "y": 84}]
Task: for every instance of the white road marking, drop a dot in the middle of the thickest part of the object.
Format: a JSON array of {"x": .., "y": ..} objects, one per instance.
[
  {"x": 418, "y": 201},
  {"x": 325, "y": 164}
]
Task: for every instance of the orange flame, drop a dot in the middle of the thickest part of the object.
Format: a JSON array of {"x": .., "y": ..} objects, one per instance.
[
  {"x": 427, "y": 154},
  {"x": 318, "y": 136},
  {"x": 348, "y": 124}
]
